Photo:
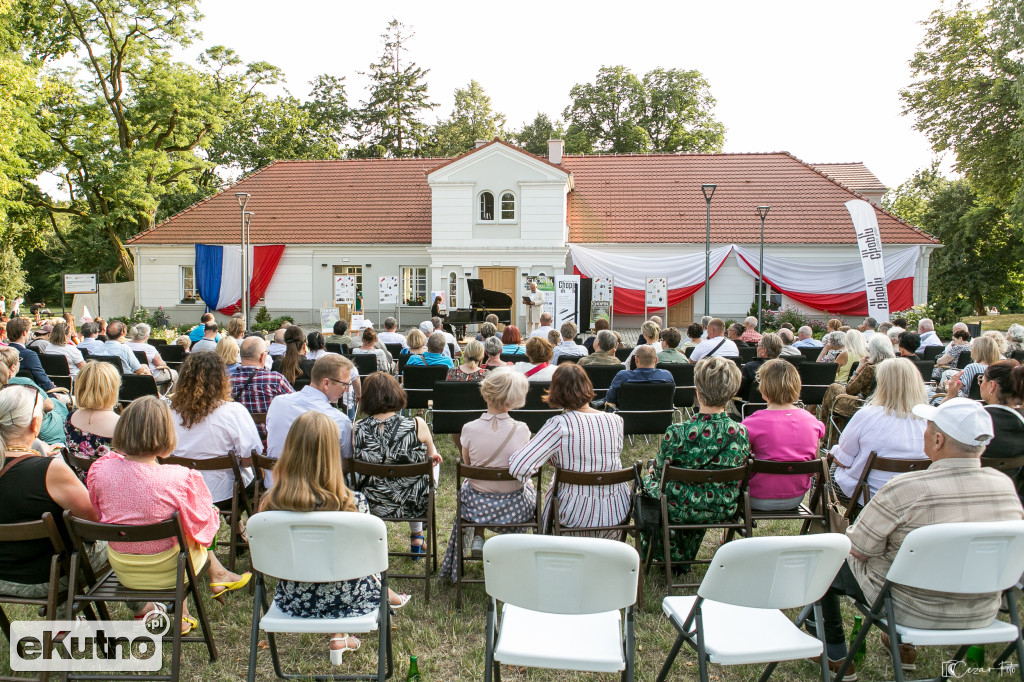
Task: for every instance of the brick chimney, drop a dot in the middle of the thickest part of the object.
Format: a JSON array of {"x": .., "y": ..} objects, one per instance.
[{"x": 555, "y": 148}]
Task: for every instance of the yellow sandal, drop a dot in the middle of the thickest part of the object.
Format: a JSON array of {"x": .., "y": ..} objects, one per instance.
[{"x": 230, "y": 587}]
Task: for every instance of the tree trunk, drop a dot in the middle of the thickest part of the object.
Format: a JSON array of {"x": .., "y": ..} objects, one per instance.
[
  {"x": 125, "y": 263},
  {"x": 979, "y": 306}
]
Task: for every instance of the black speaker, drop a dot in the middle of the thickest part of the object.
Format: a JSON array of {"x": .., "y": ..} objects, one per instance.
[{"x": 585, "y": 296}]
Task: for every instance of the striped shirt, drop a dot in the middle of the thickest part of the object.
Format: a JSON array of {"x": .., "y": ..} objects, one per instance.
[
  {"x": 579, "y": 441},
  {"x": 949, "y": 491}
]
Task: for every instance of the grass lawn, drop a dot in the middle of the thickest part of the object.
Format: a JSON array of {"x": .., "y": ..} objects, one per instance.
[
  {"x": 997, "y": 322},
  {"x": 449, "y": 644}
]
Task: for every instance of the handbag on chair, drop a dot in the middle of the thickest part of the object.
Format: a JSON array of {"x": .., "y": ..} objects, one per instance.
[
  {"x": 646, "y": 507},
  {"x": 837, "y": 521}
]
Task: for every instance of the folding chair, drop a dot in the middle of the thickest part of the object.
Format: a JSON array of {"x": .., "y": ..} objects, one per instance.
[
  {"x": 958, "y": 558},
  {"x": 535, "y": 412},
  {"x": 239, "y": 497},
  {"x": 810, "y": 354},
  {"x": 795, "y": 360},
  {"x": 748, "y": 408},
  {"x": 418, "y": 383},
  {"x": 360, "y": 471},
  {"x": 173, "y": 355},
  {"x": 1010, "y": 466},
  {"x": 815, "y": 378},
  {"x": 472, "y": 473},
  {"x": 964, "y": 358},
  {"x": 931, "y": 352},
  {"x": 832, "y": 429},
  {"x": 622, "y": 353},
  {"x": 738, "y": 522},
  {"x": 514, "y": 357},
  {"x": 974, "y": 390},
  {"x": 109, "y": 359},
  {"x": 561, "y": 601},
  {"x": 878, "y": 463},
  {"x": 802, "y": 512},
  {"x": 141, "y": 356},
  {"x": 455, "y": 404},
  {"x": 647, "y": 408},
  {"x": 135, "y": 386},
  {"x": 736, "y": 617},
  {"x": 107, "y": 588},
  {"x": 569, "y": 358},
  {"x": 925, "y": 367},
  {"x": 332, "y": 347},
  {"x": 601, "y": 376},
  {"x": 686, "y": 392},
  {"x": 366, "y": 363},
  {"x": 318, "y": 547},
  {"x": 80, "y": 465},
  {"x": 261, "y": 466},
  {"x": 747, "y": 353},
  {"x": 394, "y": 348},
  {"x": 29, "y": 531},
  {"x": 57, "y": 368}
]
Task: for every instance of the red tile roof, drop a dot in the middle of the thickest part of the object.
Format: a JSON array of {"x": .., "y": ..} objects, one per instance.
[
  {"x": 497, "y": 140},
  {"x": 643, "y": 198},
  {"x": 854, "y": 175},
  {"x": 657, "y": 199}
]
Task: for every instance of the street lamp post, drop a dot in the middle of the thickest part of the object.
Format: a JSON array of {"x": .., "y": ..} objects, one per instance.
[
  {"x": 708, "y": 191},
  {"x": 763, "y": 212},
  {"x": 243, "y": 199},
  {"x": 247, "y": 216}
]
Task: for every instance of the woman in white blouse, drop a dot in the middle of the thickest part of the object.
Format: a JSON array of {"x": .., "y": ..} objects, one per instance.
[
  {"x": 209, "y": 424},
  {"x": 885, "y": 425},
  {"x": 539, "y": 367},
  {"x": 581, "y": 439},
  {"x": 60, "y": 343}
]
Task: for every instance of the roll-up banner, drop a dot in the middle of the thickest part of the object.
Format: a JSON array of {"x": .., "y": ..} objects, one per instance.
[{"x": 869, "y": 242}]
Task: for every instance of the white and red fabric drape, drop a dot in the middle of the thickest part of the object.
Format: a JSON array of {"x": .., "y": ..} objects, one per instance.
[
  {"x": 834, "y": 287},
  {"x": 218, "y": 272},
  {"x": 685, "y": 274}
]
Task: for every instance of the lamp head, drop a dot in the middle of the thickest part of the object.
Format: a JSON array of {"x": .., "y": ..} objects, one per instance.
[
  {"x": 708, "y": 190},
  {"x": 243, "y": 199},
  {"x": 248, "y": 217},
  {"x": 763, "y": 211}
]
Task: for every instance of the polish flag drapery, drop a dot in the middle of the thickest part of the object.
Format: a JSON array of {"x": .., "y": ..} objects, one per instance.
[
  {"x": 685, "y": 274},
  {"x": 834, "y": 287},
  {"x": 219, "y": 274}
]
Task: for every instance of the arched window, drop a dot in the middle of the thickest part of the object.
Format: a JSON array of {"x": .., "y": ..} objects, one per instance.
[
  {"x": 508, "y": 206},
  {"x": 486, "y": 206},
  {"x": 453, "y": 291}
]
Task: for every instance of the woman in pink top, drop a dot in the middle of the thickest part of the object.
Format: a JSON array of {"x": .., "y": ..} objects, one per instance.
[
  {"x": 129, "y": 486},
  {"x": 488, "y": 442},
  {"x": 782, "y": 433}
]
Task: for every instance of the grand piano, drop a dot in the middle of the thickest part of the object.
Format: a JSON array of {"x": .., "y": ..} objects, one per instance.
[{"x": 483, "y": 302}]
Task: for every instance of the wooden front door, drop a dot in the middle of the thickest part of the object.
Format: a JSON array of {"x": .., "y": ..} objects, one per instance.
[
  {"x": 503, "y": 280},
  {"x": 680, "y": 316}
]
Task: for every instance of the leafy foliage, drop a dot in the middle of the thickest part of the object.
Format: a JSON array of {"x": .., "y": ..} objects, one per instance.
[
  {"x": 472, "y": 119},
  {"x": 535, "y": 135}
]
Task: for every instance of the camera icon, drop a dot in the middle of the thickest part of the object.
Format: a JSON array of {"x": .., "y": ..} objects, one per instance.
[{"x": 953, "y": 669}]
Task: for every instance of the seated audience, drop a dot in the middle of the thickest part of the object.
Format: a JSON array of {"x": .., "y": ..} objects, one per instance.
[
  {"x": 128, "y": 486},
  {"x": 101, "y": 329},
  {"x": 567, "y": 344},
  {"x": 199, "y": 331},
  {"x": 1000, "y": 340},
  {"x": 277, "y": 347},
  {"x": 390, "y": 333},
  {"x": 715, "y": 343},
  {"x": 926, "y": 330},
  {"x": 545, "y": 326},
  {"x": 901, "y": 322},
  {"x": 73, "y": 336},
  {"x": 209, "y": 339},
  {"x": 805, "y": 338},
  {"x": 487, "y": 330},
  {"x": 841, "y": 401},
  {"x": 710, "y": 440},
  {"x": 369, "y": 347},
  {"x": 294, "y": 365},
  {"x": 1014, "y": 339},
  {"x": 1002, "y": 390},
  {"x": 554, "y": 338},
  {"x": 488, "y": 442},
  {"x": 17, "y": 335},
  {"x": 254, "y": 387},
  {"x": 207, "y": 423},
  {"x": 434, "y": 354},
  {"x": 227, "y": 349},
  {"x": 769, "y": 346},
  {"x": 316, "y": 346},
  {"x": 694, "y": 335},
  {"x": 786, "y": 336},
  {"x": 834, "y": 350},
  {"x": 833, "y": 325},
  {"x": 604, "y": 351},
  {"x": 139, "y": 340},
  {"x": 30, "y": 486},
  {"x": 960, "y": 342},
  {"x": 184, "y": 342},
  {"x": 386, "y": 436},
  {"x": 580, "y": 439},
  {"x": 60, "y": 344},
  {"x": 330, "y": 380},
  {"x": 512, "y": 342},
  {"x": 89, "y": 341},
  {"x": 781, "y": 433},
  {"x": 856, "y": 350},
  {"x": 90, "y": 426},
  {"x": 415, "y": 343},
  {"x": 650, "y": 332},
  {"x": 868, "y": 327},
  {"x": 885, "y": 425},
  {"x": 41, "y": 338},
  {"x": 340, "y": 335},
  {"x": 115, "y": 347},
  {"x": 735, "y": 334},
  {"x": 449, "y": 339},
  {"x": 600, "y": 324},
  {"x": 235, "y": 329},
  {"x": 645, "y": 372},
  {"x": 750, "y": 333},
  {"x": 954, "y": 488},
  {"x": 907, "y": 345},
  {"x": 538, "y": 354},
  {"x": 470, "y": 369},
  {"x": 310, "y": 479},
  {"x": 493, "y": 348},
  {"x": 669, "y": 353},
  {"x": 984, "y": 352},
  {"x": 55, "y": 412}
]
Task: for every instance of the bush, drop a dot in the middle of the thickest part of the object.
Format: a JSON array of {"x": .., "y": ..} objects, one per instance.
[
  {"x": 271, "y": 325},
  {"x": 913, "y": 315},
  {"x": 157, "y": 319}
]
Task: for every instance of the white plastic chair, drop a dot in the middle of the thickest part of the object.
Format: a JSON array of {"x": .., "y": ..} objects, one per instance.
[
  {"x": 561, "y": 601},
  {"x": 961, "y": 558},
  {"x": 735, "y": 617},
  {"x": 318, "y": 547}
]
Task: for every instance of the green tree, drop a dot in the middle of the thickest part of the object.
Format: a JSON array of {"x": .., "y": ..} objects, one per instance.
[
  {"x": 472, "y": 119},
  {"x": 910, "y": 199},
  {"x": 390, "y": 123},
  {"x": 329, "y": 115},
  {"x": 668, "y": 110},
  {"x": 981, "y": 262},
  {"x": 535, "y": 135}
]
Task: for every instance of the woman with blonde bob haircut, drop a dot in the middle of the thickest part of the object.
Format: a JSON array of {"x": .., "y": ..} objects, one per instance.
[
  {"x": 308, "y": 478},
  {"x": 128, "y": 486},
  {"x": 984, "y": 352},
  {"x": 90, "y": 427},
  {"x": 228, "y": 351},
  {"x": 885, "y": 425},
  {"x": 489, "y": 442}
]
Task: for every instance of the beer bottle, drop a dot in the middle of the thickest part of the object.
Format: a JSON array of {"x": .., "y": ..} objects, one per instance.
[{"x": 414, "y": 670}]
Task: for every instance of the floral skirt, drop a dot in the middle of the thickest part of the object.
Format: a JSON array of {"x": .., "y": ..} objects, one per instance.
[{"x": 342, "y": 599}]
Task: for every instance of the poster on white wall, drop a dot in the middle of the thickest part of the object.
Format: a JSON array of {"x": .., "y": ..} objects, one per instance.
[
  {"x": 567, "y": 299},
  {"x": 603, "y": 289},
  {"x": 344, "y": 289},
  {"x": 657, "y": 292},
  {"x": 388, "y": 287}
]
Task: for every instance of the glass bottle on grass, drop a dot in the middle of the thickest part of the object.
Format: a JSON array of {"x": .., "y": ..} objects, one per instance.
[{"x": 414, "y": 670}]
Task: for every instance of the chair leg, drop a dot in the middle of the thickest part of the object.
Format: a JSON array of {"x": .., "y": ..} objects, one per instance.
[
  {"x": 628, "y": 675},
  {"x": 768, "y": 671},
  {"x": 384, "y": 636},
  {"x": 179, "y": 612},
  {"x": 673, "y": 652},
  {"x": 702, "y": 654},
  {"x": 254, "y": 633},
  {"x": 204, "y": 619},
  {"x": 819, "y": 630},
  {"x": 489, "y": 640},
  {"x": 894, "y": 640}
]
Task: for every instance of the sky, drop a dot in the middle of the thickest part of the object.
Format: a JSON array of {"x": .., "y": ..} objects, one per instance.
[{"x": 819, "y": 79}]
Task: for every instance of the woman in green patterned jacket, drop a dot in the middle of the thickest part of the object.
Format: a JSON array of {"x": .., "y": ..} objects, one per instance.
[{"x": 711, "y": 440}]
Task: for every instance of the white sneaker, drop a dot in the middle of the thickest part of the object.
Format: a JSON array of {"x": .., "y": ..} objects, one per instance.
[{"x": 477, "y": 550}]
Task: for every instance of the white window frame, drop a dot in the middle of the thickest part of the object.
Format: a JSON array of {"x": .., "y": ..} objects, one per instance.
[
  {"x": 187, "y": 272},
  {"x": 500, "y": 210},
  {"x": 417, "y": 275},
  {"x": 480, "y": 208}
]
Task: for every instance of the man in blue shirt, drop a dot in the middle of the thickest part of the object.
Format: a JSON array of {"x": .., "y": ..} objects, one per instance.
[
  {"x": 89, "y": 341},
  {"x": 434, "y": 355},
  {"x": 646, "y": 358},
  {"x": 805, "y": 339},
  {"x": 17, "y": 333},
  {"x": 199, "y": 330},
  {"x": 115, "y": 347}
]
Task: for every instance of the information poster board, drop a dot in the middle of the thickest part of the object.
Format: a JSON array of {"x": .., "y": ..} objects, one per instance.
[
  {"x": 443, "y": 295},
  {"x": 567, "y": 299},
  {"x": 344, "y": 289},
  {"x": 388, "y": 288},
  {"x": 657, "y": 292},
  {"x": 80, "y": 284},
  {"x": 328, "y": 316},
  {"x": 602, "y": 298},
  {"x": 357, "y": 322}
]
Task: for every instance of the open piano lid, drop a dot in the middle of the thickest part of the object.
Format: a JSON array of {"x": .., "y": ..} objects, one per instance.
[{"x": 486, "y": 298}]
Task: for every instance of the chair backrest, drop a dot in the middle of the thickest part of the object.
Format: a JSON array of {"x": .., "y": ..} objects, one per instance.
[
  {"x": 220, "y": 463},
  {"x": 366, "y": 363},
  {"x": 89, "y": 531},
  {"x": 965, "y": 359},
  {"x": 781, "y": 572},
  {"x": 109, "y": 359},
  {"x": 394, "y": 348},
  {"x": 622, "y": 353},
  {"x": 79, "y": 464},
  {"x": 815, "y": 378},
  {"x": 474, "y": 473},
  {"x": 682, "y": 375},
  {"x": 734, "y": 474},
  {"x": 157, "y": 342},
  {"x": 810, "y": 354},
  {"x": 962, "y": 558},
  {"x": 646, "y": 407},
  {"x": 592, "y": 478},
  {"x": 317, "y": 547},
  {"x": 140, "y": 355},
  {"x": 747, "y": 353},
  {"x": 332, "y": 347},
  {"x": 456, "y": 403},
  {"x": 43, "y": 529},
  {"x": 925, "y": 367},
  {"x": 535, "y": 412},
  {"x": 135, "y": 386},
  {"x": 974, "y": 390},
  {"x": 567, "y": 575},
  {"x": 931, "y": 352},
  {"x": 569, "y": 358},
  {"x": 1017, "y": 355},
  {"x": 172, "y": 352},
  {"x": 55, "y": 364},
  {"x": 85, "y": 353},
  {"x": 418, "y": 382},
  {"x": 796, "y": 360},
  {"x": 514, "y": 357},
  {"x": 601, "y": 375},
  {"x": 767, "y": 466},
  {"x": 351, "y": 465},
  {"x": 258, "y": 418}
]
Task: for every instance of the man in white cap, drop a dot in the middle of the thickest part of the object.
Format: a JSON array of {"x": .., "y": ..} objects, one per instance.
[{"x": 953, "y": 488}]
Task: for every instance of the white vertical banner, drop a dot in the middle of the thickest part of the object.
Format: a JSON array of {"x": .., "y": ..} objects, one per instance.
[
  {"x": 567, "y": 300},
  {"x": 344, "y": 289},
  {"x": 869, "y": 242},
  {"x": 602, "y": 295}
]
